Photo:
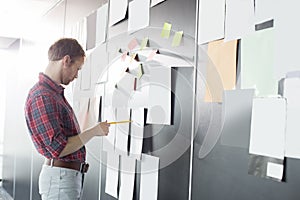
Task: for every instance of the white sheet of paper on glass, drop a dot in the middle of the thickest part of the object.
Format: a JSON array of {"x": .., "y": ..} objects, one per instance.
[
  {"x": 160, "y": 86},
  {"x": 85, "y": 83},
  {"x": 124, "y": 90},
  {"x": 155, "y": 2},
  {"x": 239, "y": 20},
  {"x": 291, "y": 92},
  {"x": 122, "y": 131},
  {"x": 275, "y": 170},
  {"x": 268, "y": 123},
  {"x": 99, "y": 64},
  {"x": 139, "y": 99},
  {"x": 264, "y": 10},
  {"x": 82, "y": 115},
  {"x": 138, "y": 16},
  {"x": 127, "y": 178},
  {"x": 91, "y": 30},
  {"x": 137, "y": 133},
  {"x": 211, "y": 20},
  {"x": 149, "y": 177},
  {"x": 287, "y": 39},
  {"x": 101, "y": 24},
  {"x": 117, "y": 11},
  {"x": 109, "y": 140},
  {"x": 112, "y": 174}
]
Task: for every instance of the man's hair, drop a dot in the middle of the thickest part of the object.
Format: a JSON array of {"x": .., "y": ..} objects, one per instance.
[{"x": 63, "y": 47}]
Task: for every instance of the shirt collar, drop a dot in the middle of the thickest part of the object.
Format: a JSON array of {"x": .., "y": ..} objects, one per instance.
[{"x": 48, "y": 82}]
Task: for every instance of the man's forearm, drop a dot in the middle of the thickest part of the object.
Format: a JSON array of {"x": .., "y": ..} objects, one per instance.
[{"x": 76, "y": 142}]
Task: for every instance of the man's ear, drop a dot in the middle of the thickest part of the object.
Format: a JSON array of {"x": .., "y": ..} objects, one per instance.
[{"x": 67, "y": 60}]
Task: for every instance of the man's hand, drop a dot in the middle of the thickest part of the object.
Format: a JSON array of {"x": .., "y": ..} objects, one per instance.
[{"x": 103, "y": 128}]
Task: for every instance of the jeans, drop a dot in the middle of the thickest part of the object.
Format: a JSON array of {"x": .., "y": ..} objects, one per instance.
[{"x": 60, "y": 183}]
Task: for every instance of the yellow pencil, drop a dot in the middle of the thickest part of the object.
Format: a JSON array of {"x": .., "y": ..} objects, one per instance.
[{"x": 120, "y": 122}]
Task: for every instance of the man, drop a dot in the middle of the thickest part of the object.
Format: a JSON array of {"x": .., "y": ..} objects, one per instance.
[{"x": 53, "y": 125}]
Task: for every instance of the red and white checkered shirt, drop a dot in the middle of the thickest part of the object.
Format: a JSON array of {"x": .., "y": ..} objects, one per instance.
[{"x": 51, "y": 120}]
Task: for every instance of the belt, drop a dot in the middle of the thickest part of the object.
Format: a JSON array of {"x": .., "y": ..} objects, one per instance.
[{"x": 81, "y": 167}]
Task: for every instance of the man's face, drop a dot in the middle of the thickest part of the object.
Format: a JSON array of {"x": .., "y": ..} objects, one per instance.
[{"x": 71, "y": 71}]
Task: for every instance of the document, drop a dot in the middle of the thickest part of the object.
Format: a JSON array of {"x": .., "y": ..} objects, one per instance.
[
  {"x": 264, "y": 10},
  {"x": 221, "y": 69},
  {"x": 268, "y": 123},
  {"x": 99, "y": 64},
  {"x": 137, "y": 132},
  {"x": 91, "y": 30},
  {"x": 112, "y": 174},
  {"x": 101, "y": 24},
  {"x": 127, "y": 178},
  {"x": 85, "y": 78},
  {"x": 160, "y": 86},
  {"x": 287, "y": 40},
  {"x": 211, "y": 20},
  {"x": 149, "y": 177},
  {"x": 239, "y": 20},
  {"x": 257, "y": 62},
  {"x": 124, "y": 90},
  {"x": 83, "y": 115},
  {"x": 117, "y": 11},
  {"x": 275, "y": 170},
  {"x": 109, "y": 140},
  {"x": 291, "y": 92},
  {"x": 138, "y": 15},
  {"x": 122, "y": 131}
]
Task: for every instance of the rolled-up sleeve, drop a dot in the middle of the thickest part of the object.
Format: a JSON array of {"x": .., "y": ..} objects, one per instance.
[{"x": 46, "y": 126}]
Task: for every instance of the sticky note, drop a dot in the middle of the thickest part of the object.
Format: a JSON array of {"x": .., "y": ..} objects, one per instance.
[
  {"x": 165, "y": 33},
  {"x": 177, "y": 38}
]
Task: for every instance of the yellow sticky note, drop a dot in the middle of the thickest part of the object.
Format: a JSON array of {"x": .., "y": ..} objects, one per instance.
[
  {"x": 165, "y": 33},
  {"x": 144, "y": 43},
  {"x": 177, "y": 38}
]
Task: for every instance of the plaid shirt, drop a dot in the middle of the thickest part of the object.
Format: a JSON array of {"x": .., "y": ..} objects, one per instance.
[{"x": 51, "y": 120}]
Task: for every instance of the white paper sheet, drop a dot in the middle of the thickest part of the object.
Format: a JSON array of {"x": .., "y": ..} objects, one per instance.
[
  {"x": 112, "y": 174},
  {"x": 149, "y": 177},
  {"x": 264, "y": 10},
  {"x": 124, "y": 90},
  {"x": 160, "y": 86},
  {"x": 137, "y": 133},
  {"x": 82, "y": 114},
  {"x": 287, "y": 39},
  {"x": 155, "y": 2},
  {"x": 127, "y": 178},
  {"x": 101, "y": 24},
  {"x": 99, "y": 64},
  {"x": 85, "y": 83},
  {"x": 268, "y": 123},
  {"x": 122, "y": 131},
  {"x": 91, "y": 30},
  {"x": 291, "y": 92},
  {"x": 138, "y": 15},
  {"x": 239, "y": 19},
  {"x": 109, "y": 140},
  {"x": 211, "y": 20},
  {"x": 117, "y": 11},
  {"x": 275, "y": 170}
]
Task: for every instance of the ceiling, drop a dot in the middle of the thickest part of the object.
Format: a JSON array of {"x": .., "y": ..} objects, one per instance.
[{"x": 18, "y": 16}]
